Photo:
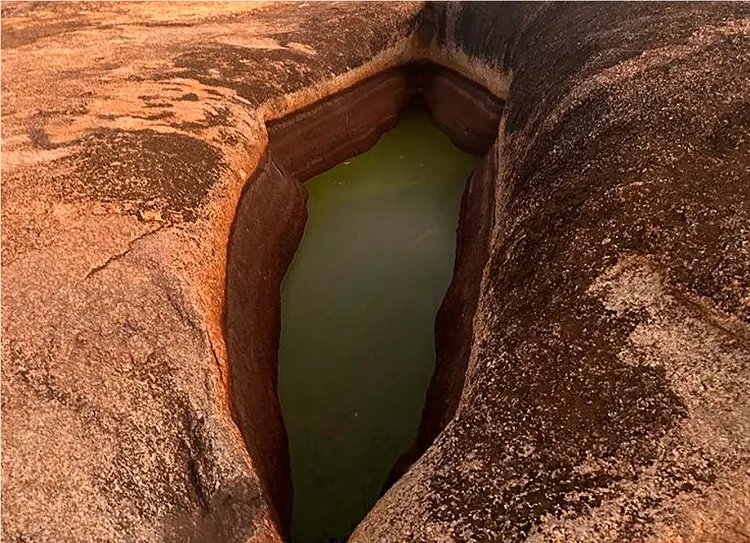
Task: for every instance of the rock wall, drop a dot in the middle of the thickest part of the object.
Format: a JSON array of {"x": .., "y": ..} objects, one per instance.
[{"x": 267, "y": 228}]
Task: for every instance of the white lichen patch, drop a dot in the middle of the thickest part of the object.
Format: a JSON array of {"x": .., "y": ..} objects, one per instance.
[{"x": 706, "y": 361}]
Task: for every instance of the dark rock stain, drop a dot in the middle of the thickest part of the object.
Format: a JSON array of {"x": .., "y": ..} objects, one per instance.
[
  {"x": 40, "y": 139},
  {"x": 18, "y": 37},
  {"x": 174, "y": 172},
  {"x": 259, "y": 74},
  {"x": 158, "y": 105},
  {"x": 255, "y": 74}
]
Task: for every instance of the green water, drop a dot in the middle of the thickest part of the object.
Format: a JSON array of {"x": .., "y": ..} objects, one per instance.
[{"x": 358, "y": 309}]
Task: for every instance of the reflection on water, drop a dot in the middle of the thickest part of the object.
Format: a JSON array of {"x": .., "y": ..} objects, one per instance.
[{"x": 358, "y": 308}]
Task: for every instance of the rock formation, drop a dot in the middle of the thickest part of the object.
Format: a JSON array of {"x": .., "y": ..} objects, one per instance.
[{"x": 592, "y": 375}]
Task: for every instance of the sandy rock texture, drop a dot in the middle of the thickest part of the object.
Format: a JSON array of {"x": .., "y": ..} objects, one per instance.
[{"x": 592, "y": 381}]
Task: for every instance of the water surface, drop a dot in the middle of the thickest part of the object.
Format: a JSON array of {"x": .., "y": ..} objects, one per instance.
[{"x": 358, "y": 309}]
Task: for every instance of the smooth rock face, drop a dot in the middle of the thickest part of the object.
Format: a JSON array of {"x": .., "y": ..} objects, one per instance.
[
  {"x": 606, "y": 383},
  {"x": 270, "y": 219}
]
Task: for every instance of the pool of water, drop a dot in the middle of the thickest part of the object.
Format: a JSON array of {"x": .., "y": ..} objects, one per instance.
[{"x": 358, "y": 309}]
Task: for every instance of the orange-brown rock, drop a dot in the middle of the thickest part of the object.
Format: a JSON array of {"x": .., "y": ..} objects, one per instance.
[
  {"x": 593, "y": 347},
  {"x": 133, "y": 139}
]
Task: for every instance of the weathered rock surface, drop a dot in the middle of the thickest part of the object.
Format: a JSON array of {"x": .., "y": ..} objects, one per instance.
[
  {"x": 599, "y": 392},
  {"x": 606, "y": 394},
  {"x": 129, "y": 133}
]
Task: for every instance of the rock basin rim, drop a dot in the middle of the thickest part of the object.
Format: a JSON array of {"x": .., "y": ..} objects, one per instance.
[{"x": 310, "y": 141}]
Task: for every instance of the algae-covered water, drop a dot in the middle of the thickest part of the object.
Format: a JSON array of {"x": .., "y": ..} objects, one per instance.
[{"x": 358, "y": 309}]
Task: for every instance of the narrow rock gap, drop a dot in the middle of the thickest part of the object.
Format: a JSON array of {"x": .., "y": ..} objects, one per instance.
[{"x": 269, "y": 224}]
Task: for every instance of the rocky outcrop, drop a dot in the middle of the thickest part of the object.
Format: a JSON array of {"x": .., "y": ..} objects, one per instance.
[
  {"x": 604, "y": 398},
  {"x": 593, "y": 346},
  {"x": 137, "y": 405}
]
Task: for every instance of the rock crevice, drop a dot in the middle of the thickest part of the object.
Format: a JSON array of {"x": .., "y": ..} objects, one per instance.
[{"x": 271, "y": 215}]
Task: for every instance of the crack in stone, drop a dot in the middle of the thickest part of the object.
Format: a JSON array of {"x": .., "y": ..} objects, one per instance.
[{"x": 96, "y": 269}]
